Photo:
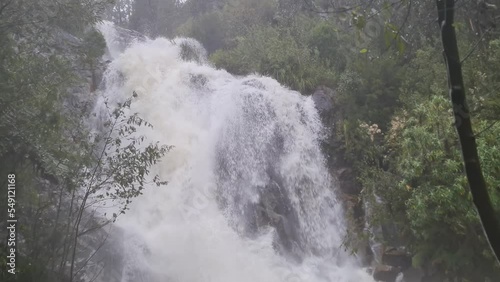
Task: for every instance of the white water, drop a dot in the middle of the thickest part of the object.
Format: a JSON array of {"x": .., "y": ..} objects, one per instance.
[{"x": 235, "y": 139}]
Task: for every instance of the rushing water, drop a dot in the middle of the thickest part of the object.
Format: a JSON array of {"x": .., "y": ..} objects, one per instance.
[{"x": 249, "y": 195}]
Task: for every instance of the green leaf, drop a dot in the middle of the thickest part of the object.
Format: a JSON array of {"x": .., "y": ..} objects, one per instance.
[
  {"x": 359, "y": 21},
  {"x": 459, "y": 25},
  {"x": 364, "y": 50},
  {"x": 388, "y": 37},
  {"x": 401, "y": 45}
]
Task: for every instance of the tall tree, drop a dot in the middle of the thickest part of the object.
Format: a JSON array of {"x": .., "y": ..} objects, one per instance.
[{"x": 477, "y": 184}]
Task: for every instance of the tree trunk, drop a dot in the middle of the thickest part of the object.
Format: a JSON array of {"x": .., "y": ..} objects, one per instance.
[{"x": 477, "y": 184}]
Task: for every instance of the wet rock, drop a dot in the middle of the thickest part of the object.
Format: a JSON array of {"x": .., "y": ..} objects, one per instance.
[
  {"x": 324, "y": 100},
  {"x": 396, "y": 257},
  {"x": 386, "y": 273},
  {"x": 347, "y": 182},
  {"x": 395, "y": 261},
  {"x": 254, "y": 83},
  {"x": 192, "y": 51},
  {"x": 198, "y": 81},
  {"x": 275, "y": 210}
]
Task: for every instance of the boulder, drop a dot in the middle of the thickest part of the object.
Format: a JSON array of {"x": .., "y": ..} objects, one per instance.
[
  {"x": 386, "y": 273},
  {"x": 396, "y": 257},
  {"x": 324, "y": 100},
  {"x": 347, "y": 181}
]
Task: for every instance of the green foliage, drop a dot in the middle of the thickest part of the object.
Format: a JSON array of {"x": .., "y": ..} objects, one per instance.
[
  {"x": 33, "y": 89},
  {"x": 420, "y": 177},
  {"x": 38, "y": 19},
  {"x": 45, "y": 140},
  {"x": 242, "y": 16},
  {"x": 220, "y": 28},
  {"x": 395, "y": 129},
  {"x": 74, "y": 16},
  {"x": 276, "y": 53},
  {"x": 93, "y": 46},
  {"x": 439, "y": 205},
  {"x": 247, "y": 36},
  {"x": 326, "y": 40},
  {"x": 371, "y": 93},
  {"x": 482, "y": 81},
  {"x": 209, "y": 29},
  {"x": 124, "y": 162}
]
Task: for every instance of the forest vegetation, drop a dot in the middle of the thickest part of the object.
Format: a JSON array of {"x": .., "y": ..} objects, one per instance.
[{"x": 383, "y": 59}]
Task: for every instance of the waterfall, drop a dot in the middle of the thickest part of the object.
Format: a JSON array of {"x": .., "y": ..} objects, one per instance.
[{"x": 249, "y": 196}]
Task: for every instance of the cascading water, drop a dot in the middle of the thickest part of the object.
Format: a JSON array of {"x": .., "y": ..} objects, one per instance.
[{"x": 249, "y": 196}]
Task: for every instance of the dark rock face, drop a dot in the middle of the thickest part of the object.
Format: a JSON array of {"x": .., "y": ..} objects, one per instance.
[
  {"x": 192, "y": 51},
  {"x": 395, "y": 261},
  {"x": 347, "y": 183},
  {"x": 274, "y": 209},
  {"x": 396, "y": 257},
  {"x": 258, "y": 206},
  {"x": 385, "y": 273},
  {"x": 324, "y": 99}
]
